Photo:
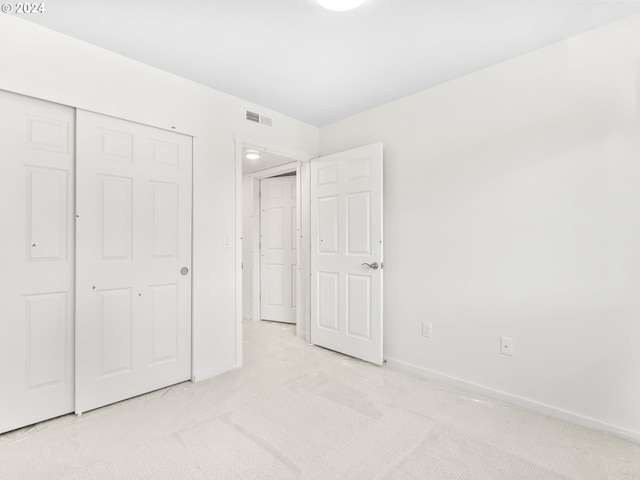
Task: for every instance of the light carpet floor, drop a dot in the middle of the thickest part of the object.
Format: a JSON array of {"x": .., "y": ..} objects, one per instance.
[{"x": 301, "y": 412}]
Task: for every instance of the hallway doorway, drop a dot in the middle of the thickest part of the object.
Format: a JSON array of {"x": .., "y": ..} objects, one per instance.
[{"x": 271, "y": 218}]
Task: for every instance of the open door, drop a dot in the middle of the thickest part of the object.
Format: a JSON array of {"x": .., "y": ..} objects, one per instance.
[{"x": 346, "y": 252}]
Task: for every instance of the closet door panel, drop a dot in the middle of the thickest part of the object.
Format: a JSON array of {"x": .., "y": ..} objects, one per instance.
[
  {"x": 37, "y": 258},
  {"x": 133, "y": 326}
]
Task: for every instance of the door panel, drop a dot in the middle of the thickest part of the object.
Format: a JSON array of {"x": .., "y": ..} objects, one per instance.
[
  {"x": 328, "y": 224},
  {"x": 165, "y": 322},
  {"x": 359, "y": 223},
  {"x": 278, "y": 225},
  {"x": 47, "y": 343},
  {"x": 346, "y": 233},
  {"x": 133, "y": 237},
  {"x": 358, "y": 299},
  {"x": 48, "y": 213},
  {"x": 36, "y": 278},
  {"x": 115, "y": 217},
  {"x": 165, "y": 227},
  {"x": 115, "y": 323},
  {"x": 327, "y": 307}
]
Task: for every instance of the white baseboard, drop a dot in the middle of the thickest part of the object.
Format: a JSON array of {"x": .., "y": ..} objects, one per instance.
[
  {"x": 515, "y": 400},
  {"x": 214, "y": 372}
]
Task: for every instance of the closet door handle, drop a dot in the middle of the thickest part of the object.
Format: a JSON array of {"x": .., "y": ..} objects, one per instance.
[{"x": 184, "y": 270}]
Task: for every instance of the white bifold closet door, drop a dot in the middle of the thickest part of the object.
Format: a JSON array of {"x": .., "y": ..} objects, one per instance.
[
  {"x": 133, "y": 242},
  {"x": 36, "y": 260}
]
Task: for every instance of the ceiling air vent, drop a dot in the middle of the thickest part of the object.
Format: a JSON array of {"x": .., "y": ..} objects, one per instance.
[
  {"x": 257, "y": 118},
  {"x": 253, "y": 117}
]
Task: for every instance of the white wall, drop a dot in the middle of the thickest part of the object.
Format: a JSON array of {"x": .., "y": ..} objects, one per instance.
[
  {"x": 41, "y": 63},
  {"x": 512, "y": 208}
]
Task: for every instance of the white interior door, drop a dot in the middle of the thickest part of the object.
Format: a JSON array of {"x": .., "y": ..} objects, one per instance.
[
  {"x": 278, "y": 249},
  {"x": 133, "y": 324},
  {"x": 36, "y": 258},
  {"x": 346, "y": 252}
]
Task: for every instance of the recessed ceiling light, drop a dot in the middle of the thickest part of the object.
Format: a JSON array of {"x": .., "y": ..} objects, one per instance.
[
  {"x": 340, "y": 5},
  {"x": 252, "y": 155}
]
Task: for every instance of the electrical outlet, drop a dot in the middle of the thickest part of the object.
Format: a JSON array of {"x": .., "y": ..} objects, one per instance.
[
  {"x": 426, "y": 329},
  {"x": 506, "y": 346}
]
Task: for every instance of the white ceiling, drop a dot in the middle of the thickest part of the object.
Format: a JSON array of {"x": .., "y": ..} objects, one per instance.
[{"x": 296, "y": 58}]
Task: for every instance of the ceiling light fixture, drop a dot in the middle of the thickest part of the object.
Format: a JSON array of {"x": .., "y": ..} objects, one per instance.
[
  {"x": 340, "y": 5},
  {"x": 252, "y": 155}
]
